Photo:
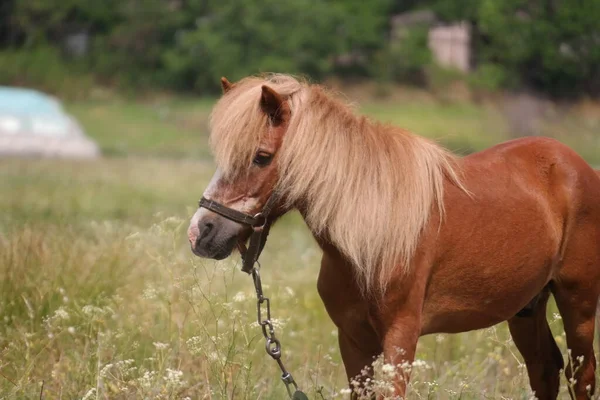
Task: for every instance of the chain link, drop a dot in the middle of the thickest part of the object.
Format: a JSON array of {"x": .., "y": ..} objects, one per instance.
[{"x": 272, "y": 344}]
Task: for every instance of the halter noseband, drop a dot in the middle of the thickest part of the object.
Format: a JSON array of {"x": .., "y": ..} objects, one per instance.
[{"x": 259, "y": 223}]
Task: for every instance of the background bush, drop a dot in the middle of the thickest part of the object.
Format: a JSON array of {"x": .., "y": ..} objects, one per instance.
[{"x": 549, "y": 46}]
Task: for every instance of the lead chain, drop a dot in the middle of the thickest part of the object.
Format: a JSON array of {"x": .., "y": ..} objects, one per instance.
[{"x": 272, "y": 344}]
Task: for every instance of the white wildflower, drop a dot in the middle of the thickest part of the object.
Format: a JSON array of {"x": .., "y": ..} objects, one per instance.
[
  {"x": 149, "y": 293},
  {"x": 161, "y": 346},
  {"x": 91, "y": 394},
  {"x": 173, "y": 378},
  {"x": 71, "y": 330},
  {"x": 91, "y": 310},
  {"x": 420, "y": 364},
  {"x": 146, "y": 380},
  {"x": 61, "y": 313},
  {"x": 388, "y": 369},
  {"x": 194, "y": 345},
  {"x": 105, "y": 369},
  {"x": 173, "y": 220},
  {"x": 239, "y": 297}
]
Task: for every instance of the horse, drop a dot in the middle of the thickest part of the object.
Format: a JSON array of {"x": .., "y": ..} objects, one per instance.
[{"x": 415, "y": 239}]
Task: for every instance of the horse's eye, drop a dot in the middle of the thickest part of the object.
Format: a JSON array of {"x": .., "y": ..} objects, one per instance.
[{"x": 262, "y": 158}]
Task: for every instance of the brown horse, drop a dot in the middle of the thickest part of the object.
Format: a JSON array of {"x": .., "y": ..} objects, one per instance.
[{"x": 415, "y": 240}]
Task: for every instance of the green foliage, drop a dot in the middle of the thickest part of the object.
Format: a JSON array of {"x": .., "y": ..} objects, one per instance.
[
  {"x": 489, "y": 77},
  {"x": 189, "y": 45},
  {"x": 250, "y": 36},
  {"x": 440, "y": 79},
  {"x": 43, "y": 66},
  {"x": 551, "y": 46},
  {"x": 456, "y": 10},
  {"x": 409, "y": 56},
  {"x": 239, "y": 38},
  {"x": 41, "y": 21}
]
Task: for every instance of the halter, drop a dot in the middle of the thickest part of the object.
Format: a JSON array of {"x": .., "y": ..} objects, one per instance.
[{"x": 259, "y": 223}]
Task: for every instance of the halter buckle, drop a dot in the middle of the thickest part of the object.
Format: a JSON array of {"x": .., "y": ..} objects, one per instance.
[{"x": 260, "y": 220}]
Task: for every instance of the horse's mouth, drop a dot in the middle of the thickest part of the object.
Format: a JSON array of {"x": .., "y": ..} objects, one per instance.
[{"x": 216, "y": 251}]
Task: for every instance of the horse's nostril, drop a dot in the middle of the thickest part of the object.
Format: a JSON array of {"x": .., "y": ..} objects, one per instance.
[{"x": 205, "y": 229}]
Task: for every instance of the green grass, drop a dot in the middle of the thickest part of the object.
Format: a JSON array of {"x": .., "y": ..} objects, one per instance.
[
  {"x": 172, "y": 127},
  {"x": 168, "y": 127},
  {"x": 463, "y": 128},
  {"x": 101, "y": 295}
]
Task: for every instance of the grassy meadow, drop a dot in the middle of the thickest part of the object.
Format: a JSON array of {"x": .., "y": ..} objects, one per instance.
[{"x": 102, "y": 299}]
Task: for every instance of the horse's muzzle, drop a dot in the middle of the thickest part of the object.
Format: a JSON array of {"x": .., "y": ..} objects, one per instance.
[{"x": 212, "y": 236}]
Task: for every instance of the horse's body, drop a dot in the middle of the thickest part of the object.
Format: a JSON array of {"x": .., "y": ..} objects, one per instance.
[
  {"x": 522, "y": 233},
  {"x": 515, "y": 223}
]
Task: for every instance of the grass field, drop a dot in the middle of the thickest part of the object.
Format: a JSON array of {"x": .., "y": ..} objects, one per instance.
[{"x": 101, "y": 297}]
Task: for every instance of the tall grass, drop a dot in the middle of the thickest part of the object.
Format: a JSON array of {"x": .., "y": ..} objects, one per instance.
[{"x": 101, "y": 298}]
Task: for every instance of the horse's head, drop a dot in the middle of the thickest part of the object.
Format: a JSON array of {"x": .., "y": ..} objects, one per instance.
[{"x": 248, "y": 124}]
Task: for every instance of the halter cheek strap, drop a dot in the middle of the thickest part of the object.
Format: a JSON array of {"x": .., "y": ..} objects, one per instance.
[{"x": 259, "y": 223}]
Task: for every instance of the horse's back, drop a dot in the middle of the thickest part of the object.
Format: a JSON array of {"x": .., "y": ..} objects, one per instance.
[
  {"x": 552, "y": 172},
  {"x": 544, "y": 163}
]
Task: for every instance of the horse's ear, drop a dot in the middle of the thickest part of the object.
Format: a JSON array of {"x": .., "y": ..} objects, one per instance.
[
  {"x": 271, "y": 103},
  {"x": 226, "y": 85}
]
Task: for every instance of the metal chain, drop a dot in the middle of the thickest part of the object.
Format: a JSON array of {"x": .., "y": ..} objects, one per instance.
[{"x": 272, "y": 344}]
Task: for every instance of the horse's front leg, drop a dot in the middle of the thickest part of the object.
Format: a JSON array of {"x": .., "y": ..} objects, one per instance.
[
  {"x": 358, "y": 354},
  {"x": 399, "y": 346}
]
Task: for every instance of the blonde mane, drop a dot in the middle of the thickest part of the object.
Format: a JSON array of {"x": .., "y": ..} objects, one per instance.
[{"x": 367, "y": 187}]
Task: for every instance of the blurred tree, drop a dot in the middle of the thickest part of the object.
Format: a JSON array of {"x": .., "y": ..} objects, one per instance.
[
  {"x": 9, "y": 36},
  {"x": 249, "y": 36},
  {"x": 131, "y": 51},
  {"x": 550, "y": 45},
  {"x": 43, "y": 21}
]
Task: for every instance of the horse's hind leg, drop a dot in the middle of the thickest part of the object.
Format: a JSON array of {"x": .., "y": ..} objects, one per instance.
[
  {"x": 576, "y": 289},
  {"x": 577, "y": 306},
  {"x": 534, "y": 340}
]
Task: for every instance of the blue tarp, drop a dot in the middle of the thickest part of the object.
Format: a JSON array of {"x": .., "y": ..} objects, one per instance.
[
  {"x": 34, "y": 124},
  {"x": 27, "y": 101}
]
